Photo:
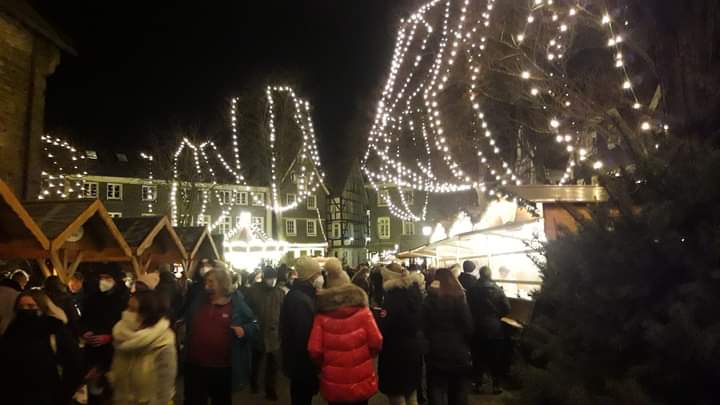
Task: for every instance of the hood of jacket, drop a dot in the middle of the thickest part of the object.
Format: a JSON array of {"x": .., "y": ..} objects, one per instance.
[
  {"x": 406, "y": 281},
  {"x": 348, "y": 295},
  {"x": 128, "y": 336}
]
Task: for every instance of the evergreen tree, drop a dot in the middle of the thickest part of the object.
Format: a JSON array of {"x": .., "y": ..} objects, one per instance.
[{"x": 628, "y": 309}]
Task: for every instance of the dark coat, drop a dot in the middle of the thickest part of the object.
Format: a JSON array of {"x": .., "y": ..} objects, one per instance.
[
  {"x": 447, "y": 324},
  {"x": 488, "y": 304},
  {"x": 400, "y": 363},
  {"x": 266, "y": 302},
  {"x": 467, "y": 281},
  {"x": 29, "y": 363},
  {"x": 101, "y": 312},
  {"x": 296, "y": 321},
  {"x": 241, "y": 351}
]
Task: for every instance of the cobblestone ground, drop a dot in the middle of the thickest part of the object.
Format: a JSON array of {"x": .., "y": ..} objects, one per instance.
[{"x": 246, "y": 398}]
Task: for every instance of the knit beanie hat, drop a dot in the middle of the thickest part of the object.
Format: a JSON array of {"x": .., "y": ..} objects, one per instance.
[
  {"x": 336, "y": 276},
  {"x": 306, "y": 268},
  {"x": 269, "y": 272},
  {"x": 468, "y": 266}
]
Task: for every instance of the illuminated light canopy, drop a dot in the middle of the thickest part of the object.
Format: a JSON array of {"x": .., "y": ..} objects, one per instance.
[{"x": 443, "y": 49}]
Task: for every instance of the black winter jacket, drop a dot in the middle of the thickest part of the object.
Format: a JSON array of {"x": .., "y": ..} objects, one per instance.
[
  {"x": 296, "y": 321},
  {"x": 40, "y": 363},
  {"x": 400, "y": 363},
  {"x": 467, "y": 280},
  {"x": 448, "y": 327},
  {"x": 488, "y": 304}
]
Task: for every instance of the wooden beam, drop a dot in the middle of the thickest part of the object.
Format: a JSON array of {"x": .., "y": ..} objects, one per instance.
[
  {"x": 76, "y": 263},
  {"x": 58, "y": 265}
]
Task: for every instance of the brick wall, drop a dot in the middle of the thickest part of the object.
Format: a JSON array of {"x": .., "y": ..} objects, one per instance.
[{"x": 26, "y": 59}]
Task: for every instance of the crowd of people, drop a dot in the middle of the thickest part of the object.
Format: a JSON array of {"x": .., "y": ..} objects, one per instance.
[{"x": 414, "y": 335}]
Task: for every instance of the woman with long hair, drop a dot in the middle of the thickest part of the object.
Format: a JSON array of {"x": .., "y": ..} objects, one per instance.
[
  {"x": 144, "y": 366},
  {"x": 448, "y": 327},
  {"x": 40, "y": 362}
]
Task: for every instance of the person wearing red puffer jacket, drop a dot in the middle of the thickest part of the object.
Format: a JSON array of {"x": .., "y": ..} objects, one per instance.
[{"x": 344, "y": 340}]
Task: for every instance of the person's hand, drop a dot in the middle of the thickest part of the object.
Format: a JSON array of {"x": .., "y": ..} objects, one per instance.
[
  {"x": 239, "y": 331},
  {"x": 383, "y": 313},
  {"x": 92, "y": 374},
  {"x": 99, "y": 340},
  {"x": 87, "y": 335}
]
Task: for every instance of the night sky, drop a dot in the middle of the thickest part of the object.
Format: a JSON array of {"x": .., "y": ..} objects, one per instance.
[{"x": 144, "y": 67}]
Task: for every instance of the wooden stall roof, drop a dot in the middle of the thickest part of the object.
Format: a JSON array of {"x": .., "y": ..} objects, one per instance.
[
  {"x": 142, "y": 232},
  {"x": 568, "y": 193},
  {"x": 18, "y": 233},
  {"x": 60, "y": 219},
  {"x": 196, "y": 240}
]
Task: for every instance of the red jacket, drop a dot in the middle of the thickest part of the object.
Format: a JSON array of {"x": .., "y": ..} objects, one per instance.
[{"x": 344, "y": 340}]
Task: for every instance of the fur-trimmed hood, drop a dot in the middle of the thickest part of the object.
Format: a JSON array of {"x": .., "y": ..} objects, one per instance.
[
  {"x": 405, "y": 281},
  {"x": 348, "y": 295}
]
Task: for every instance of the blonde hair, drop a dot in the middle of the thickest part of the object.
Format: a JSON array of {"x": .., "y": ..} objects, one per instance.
[{"x": 223, "y": 278}]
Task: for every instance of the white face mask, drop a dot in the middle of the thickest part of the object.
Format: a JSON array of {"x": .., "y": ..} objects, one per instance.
[
  {"x": 318, "y": 283},
  {"x": 271, "y": 282},
  {"x": 106, "y": 285}
]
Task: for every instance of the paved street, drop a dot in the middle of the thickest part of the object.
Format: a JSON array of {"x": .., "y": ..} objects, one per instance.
[{"x": 245, "y": 398}]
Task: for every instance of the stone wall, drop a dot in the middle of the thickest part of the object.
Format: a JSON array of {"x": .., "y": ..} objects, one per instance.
[{"x": 26, "y": 60}]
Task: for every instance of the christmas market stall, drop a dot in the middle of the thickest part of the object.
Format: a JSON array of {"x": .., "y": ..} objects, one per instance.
[
  {"x": 152, "y": 241},
  {"x": 20, "y": 236},
  {"x": 78, "y": 231},
  {"x": 198, "y": 244}
]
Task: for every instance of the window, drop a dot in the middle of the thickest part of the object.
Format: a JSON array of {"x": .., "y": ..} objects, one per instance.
[
  {"x": 336, "y": 230},
  {"x": 293, "y": 178},
  {"x": 204, "y": 220},
  {"x": 90, "y": 189},
  {"x": 335, "y": 209},
  {"x": 290, "y": 199},
  {"x": 311, "y": 202},
  {"x": 290, "y": 229},
  {"x": 115, "y": 214},
  {"x": 91, "y": 154},
  {"x": 350, "y": 234},
  {"x": 384, "y": 227},
  {"x": 241, "y": 198},
  {"x": 311, "y": 228},
  {"x": 149, "y": 193},
  {"x": 258, "y": 199},
  {"x": 259, "y": 223},
  {"x": 409, "y": 197},
  {"x": 225, "y": 197},
  {"x": 121, "y": 157},
  {"x": 383, "y": 197},
  {"x": 114, "y": 191},
  {"x": 408, "y": 228},
  {"x": 226, "y": 224}
]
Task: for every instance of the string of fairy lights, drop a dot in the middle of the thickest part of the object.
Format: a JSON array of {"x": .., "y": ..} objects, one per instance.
[
  {"x": 308, "y": 172},
  {"x": 62, "y": 171},
  {"x": 410, "y": 107}
]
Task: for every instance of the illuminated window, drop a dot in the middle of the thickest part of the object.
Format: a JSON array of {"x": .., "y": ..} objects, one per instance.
[
  {"x": 408, "y": 228},
  {"x": 311, "y": 202},
  {"x": 149, "y": 193}
]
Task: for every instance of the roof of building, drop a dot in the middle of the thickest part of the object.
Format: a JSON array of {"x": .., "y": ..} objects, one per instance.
[
  {"x": 136, "y": 230},
  {"x": 54, "y": 217},
  {"x": 23, "y": 12}
]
